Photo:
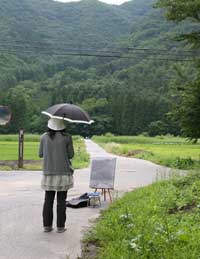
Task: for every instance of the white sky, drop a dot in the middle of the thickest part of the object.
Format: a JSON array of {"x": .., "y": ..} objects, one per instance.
[{"x": 117, "y": 2}]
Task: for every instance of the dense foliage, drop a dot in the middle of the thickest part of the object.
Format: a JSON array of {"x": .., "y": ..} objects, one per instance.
[
  {"x": 186, "y": 108},
  {"x": 184, "y": 10},
  {"x": 123, "y": 95},
  {"x": 186, "y": 105}
]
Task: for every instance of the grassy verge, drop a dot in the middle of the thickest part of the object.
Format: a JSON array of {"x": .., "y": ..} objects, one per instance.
[
  {"x": 158, "y": 221},
  {"x": 81, "y": 158},
  {"x": 9, "y": 152},
  {"x": 173, "y": 152}
]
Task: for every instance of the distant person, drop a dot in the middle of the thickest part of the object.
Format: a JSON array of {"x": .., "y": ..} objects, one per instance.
[{"x": 56, "y": 148}]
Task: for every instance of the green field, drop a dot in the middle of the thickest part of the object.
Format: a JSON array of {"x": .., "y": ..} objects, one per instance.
[
  {"x": 175, "y": 152},
  {"x": 154, "y": 222},
  {"x": 9, "y": 152}
]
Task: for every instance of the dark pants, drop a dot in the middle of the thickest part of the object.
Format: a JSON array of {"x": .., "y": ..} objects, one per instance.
[{"x": 48, "y": 208}]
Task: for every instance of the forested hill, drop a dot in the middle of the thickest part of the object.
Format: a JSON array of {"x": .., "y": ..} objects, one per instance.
[
  {"x": 31, "y": 27},
  {"x": 123, "y": 95},
  {"x": 87, "y": 23}
]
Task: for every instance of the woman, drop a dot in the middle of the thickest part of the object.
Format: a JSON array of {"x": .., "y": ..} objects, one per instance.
[{"x": 56, "y": 148}]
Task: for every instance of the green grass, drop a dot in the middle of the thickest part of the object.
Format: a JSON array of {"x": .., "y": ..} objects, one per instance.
[
  {"x": 158, "y": 221},
  {"x": 14, "y": 137},
  {"x": 9, "y": 151},
  {"x": 81, "y": 158},
  {"x": 173, "y": 152}
]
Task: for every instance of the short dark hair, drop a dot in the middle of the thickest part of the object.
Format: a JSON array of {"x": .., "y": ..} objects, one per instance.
[{"x": 52, "y": 133}]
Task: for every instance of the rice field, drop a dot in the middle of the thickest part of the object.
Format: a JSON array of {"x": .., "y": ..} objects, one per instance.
[
  {"x": 9, "y": 152},
  {"x": 175, "y": 152}
]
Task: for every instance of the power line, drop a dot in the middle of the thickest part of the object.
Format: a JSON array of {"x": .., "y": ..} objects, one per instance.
[
  {"x": 92, "y": 53},
  {"x": 121, "y": 49},
  {"x": 31, "y": 50},
  {"x": 81, "y": 54},
  {"x": 45, "y": 52}
]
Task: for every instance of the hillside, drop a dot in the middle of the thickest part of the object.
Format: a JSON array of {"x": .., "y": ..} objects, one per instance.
[
  {"x": 35, "y": 34},
  {"x": 87, "y": 22},
  {"x": 46, "y": 21},
  {"x": 123, "y": 95},
  {"x": 31, "y": 31}
]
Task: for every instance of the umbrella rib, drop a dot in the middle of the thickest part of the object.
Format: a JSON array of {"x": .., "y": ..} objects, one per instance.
[{"x": 75, "y": 121}]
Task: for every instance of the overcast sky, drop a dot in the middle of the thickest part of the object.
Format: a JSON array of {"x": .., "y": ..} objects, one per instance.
[{"x": 117, "y": 2}]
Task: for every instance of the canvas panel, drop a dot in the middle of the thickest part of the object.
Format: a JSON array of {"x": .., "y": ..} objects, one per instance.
[{"x": 102, "y": 173}]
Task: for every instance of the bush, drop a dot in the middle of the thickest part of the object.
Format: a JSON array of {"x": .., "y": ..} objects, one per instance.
[
  {"x": 144, "y": 134},
  {"x": 109, "y": 134},
  {"x": 157, "y": 128},
  {"x": 183, "y": 163}
]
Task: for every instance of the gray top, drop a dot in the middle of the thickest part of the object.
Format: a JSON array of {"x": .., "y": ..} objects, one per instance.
[{"x": 57, "y": 153}]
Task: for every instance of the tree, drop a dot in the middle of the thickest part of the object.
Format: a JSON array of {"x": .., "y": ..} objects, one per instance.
[
  {"x": 98, "y": 110},
  {"x": 186, "y": 108},
  {"x": 157, "y": 128},
  {"x": 180, "y": 10},
  {"x": 18, "y": 102}
]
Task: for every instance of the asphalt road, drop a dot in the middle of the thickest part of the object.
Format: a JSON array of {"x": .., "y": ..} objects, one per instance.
[{"x": 21, "y": 201}]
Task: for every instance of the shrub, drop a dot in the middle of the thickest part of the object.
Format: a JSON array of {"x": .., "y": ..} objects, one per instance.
[
  {"x": 108, "y": 134},
  {"x": 183, "y": 163},
  {"x": 157, "y": 128}
]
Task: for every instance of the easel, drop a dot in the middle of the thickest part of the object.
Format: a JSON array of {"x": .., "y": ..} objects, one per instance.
[{"x": 103, "y": 192}]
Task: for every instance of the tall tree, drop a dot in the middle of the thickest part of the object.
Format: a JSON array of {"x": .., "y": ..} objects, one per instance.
[
  {"x": 186, "y": 109},
  {"x": 18, "y": 102},
  {"x": 180, "y": 10}
]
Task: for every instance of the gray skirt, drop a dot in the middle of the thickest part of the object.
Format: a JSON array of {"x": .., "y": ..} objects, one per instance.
[{"x": 57, "y": 182}]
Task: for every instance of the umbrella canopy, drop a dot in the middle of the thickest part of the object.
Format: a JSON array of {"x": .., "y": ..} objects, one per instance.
[{"x": 68, "y": 112}]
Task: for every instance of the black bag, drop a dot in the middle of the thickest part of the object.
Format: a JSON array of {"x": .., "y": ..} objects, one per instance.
[{"x": 79, "y": 202}]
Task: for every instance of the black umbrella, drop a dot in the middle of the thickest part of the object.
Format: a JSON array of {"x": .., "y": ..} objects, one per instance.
[{"x": 68, "y": 112}]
